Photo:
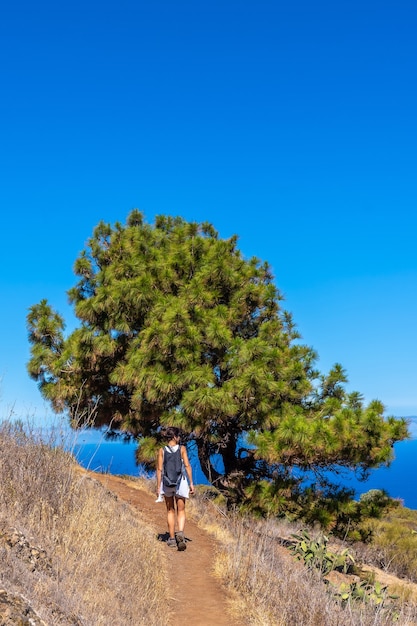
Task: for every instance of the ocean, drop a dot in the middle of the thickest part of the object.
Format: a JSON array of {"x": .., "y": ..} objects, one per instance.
[{"x": 117, "y": 457}]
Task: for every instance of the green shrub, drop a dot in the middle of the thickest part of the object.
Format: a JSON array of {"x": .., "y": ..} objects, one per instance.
[
  {"x": 316, "y": 554},
  {"x": 394, "y": 545}
]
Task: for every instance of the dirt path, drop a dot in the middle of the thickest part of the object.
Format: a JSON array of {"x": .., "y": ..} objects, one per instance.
[{"x": 197, "y": 598}]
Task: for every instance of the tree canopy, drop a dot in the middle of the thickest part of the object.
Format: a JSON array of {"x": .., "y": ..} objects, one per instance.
[{"x": 177, "y": 328}]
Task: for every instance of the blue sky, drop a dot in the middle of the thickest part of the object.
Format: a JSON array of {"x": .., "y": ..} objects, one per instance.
[{"x": 291, "y": 124}]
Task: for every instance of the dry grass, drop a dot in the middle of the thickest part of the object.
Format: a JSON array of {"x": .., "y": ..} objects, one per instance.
[
  {"x": 394, "y": 544},
  {"x": 77, "y": 554},
  {"x": 93, "y": 571},
  {"x": 269, "y": 587}
]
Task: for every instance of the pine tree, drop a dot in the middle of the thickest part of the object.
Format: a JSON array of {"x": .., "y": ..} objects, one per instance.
[{"x": 177, "y": 328}]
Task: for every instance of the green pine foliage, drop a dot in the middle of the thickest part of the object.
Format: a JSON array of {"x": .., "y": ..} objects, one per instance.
[{"x": 177, "y": 328}]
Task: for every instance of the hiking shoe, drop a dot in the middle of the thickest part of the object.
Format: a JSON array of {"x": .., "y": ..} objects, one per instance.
[
  {"x": 171, "y": 543},
  {"x": 180, "y": 541}
]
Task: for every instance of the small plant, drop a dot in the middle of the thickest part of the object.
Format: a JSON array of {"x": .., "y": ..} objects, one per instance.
[
  {"x": 316, "y": 554},
  {"x": 365, "y": 592}
]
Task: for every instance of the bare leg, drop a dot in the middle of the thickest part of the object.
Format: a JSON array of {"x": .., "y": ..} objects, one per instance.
[
  {"x": 181, "y": 513},
  {"x": 170, "y": 515}
]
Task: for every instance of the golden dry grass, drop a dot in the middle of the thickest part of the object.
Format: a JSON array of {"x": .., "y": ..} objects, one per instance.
[
  {"x": 270, "y": 588},
  {"x": 104, "y": 566},
  {"x": 394, "y": 545}
]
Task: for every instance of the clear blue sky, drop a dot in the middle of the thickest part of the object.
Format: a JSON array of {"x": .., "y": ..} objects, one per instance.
[{"x": 291, "y": 124}]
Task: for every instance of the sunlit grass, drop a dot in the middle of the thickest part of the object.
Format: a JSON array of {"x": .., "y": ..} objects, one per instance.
[
  {"x": 101, "y": 565},
  {"x": 105, "y": 566},
  {"x": 270, "y": 588},
  {"x": 394, "y": 543}
]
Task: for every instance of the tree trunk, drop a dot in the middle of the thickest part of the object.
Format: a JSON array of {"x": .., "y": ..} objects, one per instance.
[
  {"x": 228, "y": 453},
  {"x": 212, "y": 475}
]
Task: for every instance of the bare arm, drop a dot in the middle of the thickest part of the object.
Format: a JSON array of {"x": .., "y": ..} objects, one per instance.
[
  {"x": 159, "y": 466},
  {"x": 188, "y": 468}
]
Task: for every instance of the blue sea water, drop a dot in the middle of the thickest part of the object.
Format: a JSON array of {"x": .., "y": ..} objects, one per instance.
[
  {"x": 117, "y": 457},
  {"x": 398, "y": 479},
  {"x": 111, "y": 457}
]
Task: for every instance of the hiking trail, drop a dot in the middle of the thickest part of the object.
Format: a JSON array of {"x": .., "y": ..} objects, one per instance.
[{"x": 196, "y": 596}]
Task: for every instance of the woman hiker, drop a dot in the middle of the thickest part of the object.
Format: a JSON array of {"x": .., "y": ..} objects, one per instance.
[{"x": 172, "y": 483}]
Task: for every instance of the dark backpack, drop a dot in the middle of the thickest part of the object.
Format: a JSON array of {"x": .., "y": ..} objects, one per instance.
[{"x": 172, "y": 467}]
